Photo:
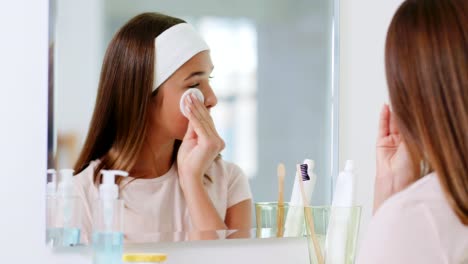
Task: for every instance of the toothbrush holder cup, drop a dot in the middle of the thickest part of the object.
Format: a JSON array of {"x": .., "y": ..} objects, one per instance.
[{"x": 332, "y": 230}]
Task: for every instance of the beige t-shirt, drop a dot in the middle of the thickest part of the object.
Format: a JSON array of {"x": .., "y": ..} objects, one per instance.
[
  {"x": 155, "y": 209},
  {"x": 416, "y": 226}
]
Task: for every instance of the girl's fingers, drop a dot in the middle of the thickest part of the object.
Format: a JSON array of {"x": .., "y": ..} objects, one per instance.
[
  {"x": 201, "y": 118},
  {"x": 195, "y": 121},
  {"x": 393, "y": 125},
  {"x": 384, "y": 123},
  {"x": 200, "y": 112},
  {"x": 190, "y": 131}
]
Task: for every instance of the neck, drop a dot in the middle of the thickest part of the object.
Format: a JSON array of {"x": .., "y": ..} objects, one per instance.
[{"x": 155, "y": 158}]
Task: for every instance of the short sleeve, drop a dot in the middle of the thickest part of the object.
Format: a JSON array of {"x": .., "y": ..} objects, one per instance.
[
  {"x": 238, "y": 186},
  {"x": 401, "y": 233}
]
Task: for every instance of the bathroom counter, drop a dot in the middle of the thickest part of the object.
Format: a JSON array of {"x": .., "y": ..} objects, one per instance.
[{"x": 272, "y": 251}]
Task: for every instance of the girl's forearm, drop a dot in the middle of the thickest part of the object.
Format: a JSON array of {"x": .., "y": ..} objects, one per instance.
[{"x": 204, "y": 216}]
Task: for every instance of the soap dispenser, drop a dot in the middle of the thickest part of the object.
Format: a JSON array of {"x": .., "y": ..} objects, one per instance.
[
  {"x": 52, "y": 232},
  {"x": 108, "y": 221},
  {"x": 69, "y": 210}
]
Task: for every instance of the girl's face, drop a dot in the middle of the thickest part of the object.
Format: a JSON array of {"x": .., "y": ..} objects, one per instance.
[{"x": 165, "y": 112}]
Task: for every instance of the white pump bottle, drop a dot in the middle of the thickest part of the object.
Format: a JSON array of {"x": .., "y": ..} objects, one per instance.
[
  {"x": 108, "y": 196},
  {"x": 108, "y": 221}
]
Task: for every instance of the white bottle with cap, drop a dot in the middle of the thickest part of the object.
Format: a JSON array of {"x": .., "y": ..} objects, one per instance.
[
  {"x": 108, "y": 221},
  {"x": 108, "y": 196},
  {"x": 344, "y": 195},
  {"x": 341, "y": 216}
]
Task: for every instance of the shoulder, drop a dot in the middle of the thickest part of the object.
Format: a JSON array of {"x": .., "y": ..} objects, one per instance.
[
  {"x": 234, "y": 181},
  {"x": 230, "y": 176},
  {"x": 425, "y": 190},
  {"x": 405, "y": 229},
  {"x": 85, "y": 178},
  {"x": 225, "y": 169},
  {"x": 424, "y": 199},
  {"x": 227, "y": 173}
]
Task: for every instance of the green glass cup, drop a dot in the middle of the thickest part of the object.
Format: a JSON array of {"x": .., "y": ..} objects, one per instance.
[{"x": 331, "y": 232}]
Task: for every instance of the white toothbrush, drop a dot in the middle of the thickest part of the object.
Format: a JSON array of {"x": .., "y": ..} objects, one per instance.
[{"x": 295, "y": 217}]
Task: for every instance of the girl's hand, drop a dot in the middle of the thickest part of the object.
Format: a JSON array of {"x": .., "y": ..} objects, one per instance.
[
  {"x": 200, "y": 146},
  {"x": 394, "y": 168}
]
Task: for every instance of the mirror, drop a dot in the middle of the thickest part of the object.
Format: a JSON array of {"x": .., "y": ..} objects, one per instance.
[{"x": 275, "y": 65}]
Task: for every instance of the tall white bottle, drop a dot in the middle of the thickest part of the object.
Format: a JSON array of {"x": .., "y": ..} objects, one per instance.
[{"x": 336, "y": 249}]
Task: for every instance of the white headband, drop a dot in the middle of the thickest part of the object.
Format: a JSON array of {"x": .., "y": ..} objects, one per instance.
[{"x": 173, "y": 48}]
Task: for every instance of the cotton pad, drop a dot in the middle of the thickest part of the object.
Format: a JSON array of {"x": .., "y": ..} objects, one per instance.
[{"x": 193, "y": 91}]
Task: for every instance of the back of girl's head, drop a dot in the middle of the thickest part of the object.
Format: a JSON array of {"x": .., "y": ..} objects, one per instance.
[
  {"x": 426, "y": 66},
  {"x": 119, "y": 123}
]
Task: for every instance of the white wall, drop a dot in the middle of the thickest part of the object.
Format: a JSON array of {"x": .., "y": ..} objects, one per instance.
[
  {"x": 23, "y": 101},
  {"x": 363, "y": 89},
  {"x": 23, "y": 77}
]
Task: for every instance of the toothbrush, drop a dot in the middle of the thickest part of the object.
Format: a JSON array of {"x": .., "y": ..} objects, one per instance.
[
  {"x": 302, "y": 173},
  {"x": 281, "y": 171},
  {"x": 295, "y": 218}
]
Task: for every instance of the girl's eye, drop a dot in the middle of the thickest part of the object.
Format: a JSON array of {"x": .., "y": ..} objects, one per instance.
[{"x": 194, "y": 86}]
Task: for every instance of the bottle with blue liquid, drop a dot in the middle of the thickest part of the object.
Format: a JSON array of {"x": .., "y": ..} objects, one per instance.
[
  {"x": 108, "y": 221},
  {"x": 68, "y": 211}
]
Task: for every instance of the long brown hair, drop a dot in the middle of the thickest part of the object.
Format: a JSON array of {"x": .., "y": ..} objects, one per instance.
[
  {"x": 426, "y": 66},
  {"x": 120, "y": 119}
]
